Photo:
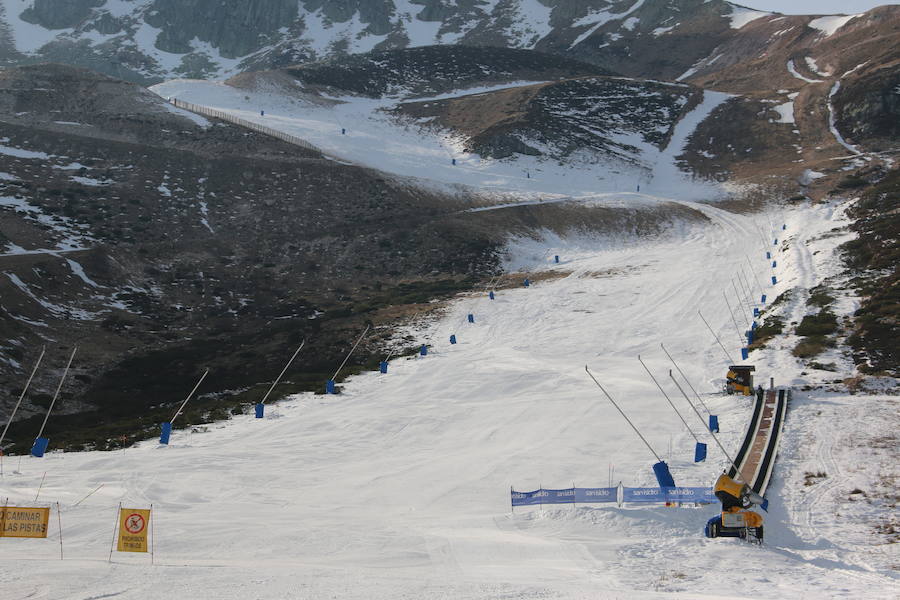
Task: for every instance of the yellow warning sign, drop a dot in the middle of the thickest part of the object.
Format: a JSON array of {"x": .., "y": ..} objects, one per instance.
[
  {"x": 134, "y": 523},
  {"x": 22, "y": 522}
]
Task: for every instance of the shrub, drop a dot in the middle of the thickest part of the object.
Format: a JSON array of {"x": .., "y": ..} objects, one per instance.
[{"x": 824, "y": 323}]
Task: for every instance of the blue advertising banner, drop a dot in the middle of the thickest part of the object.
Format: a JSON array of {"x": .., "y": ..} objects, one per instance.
[
  {"x": 691, "y": 495},
  {"x": 566, "y": 496},
  {"x": 596, "y": 494},
  {"x": 676, "y": 494},
  {"x": 542, "y": 496},
  {"x": 526, "y": 498},
  {"x": 609, "y": 494},
  {"x": 653, "y": 494}
]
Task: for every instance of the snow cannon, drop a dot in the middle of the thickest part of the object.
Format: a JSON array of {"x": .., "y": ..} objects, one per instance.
[
  {"x": 739, "y": 380},
  {"x": 736, "y": 521},
  {"x": 663, "y": 475}
]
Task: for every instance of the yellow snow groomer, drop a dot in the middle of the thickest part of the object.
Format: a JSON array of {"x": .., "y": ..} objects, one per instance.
[
  {"x": 739, "y": 380},
  {"x": 735, "y": 520}
]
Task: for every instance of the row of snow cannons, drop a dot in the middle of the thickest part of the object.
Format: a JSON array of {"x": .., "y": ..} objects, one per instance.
[
  {"x": 330, "y": 384},
  {"x": 39, "y": 447},
  {"x": 490, "y": 288},
  {"x": 744, "y": 290}
]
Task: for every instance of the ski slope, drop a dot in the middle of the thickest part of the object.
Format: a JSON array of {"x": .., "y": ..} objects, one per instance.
[
  {"x": 399, "y": 486},
  {"x": 415, "y": 148}
]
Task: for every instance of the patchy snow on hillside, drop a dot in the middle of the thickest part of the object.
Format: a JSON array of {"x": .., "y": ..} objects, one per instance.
[
  {"x": 811, "y": 63},
  {"x": 830, "y": 24},
  {"x": 531, "y": 23},
  {"x": 832, "y": 121},
  {"x": 793, "y": 71},
  {"x": 809, "y": 176},
  {"x": 27, "y": 37},
  {"x": 22, "y": 153},
  {"x": 741, "y": 16},
  {"x": 785, "y": 111},
  {"x": 597, "y": 19}
]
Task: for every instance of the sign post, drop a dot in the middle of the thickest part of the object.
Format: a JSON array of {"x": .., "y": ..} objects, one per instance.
[
  {"x": 24, "y": 522},
  {"x": 133, "y": 530}
]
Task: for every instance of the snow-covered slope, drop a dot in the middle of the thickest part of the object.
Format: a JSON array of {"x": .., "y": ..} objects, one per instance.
[
  {"x": 362, "y": 130},
  {"x": 399, "y": 486}
]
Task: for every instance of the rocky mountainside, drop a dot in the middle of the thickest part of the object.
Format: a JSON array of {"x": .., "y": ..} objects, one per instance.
[
  {"x": 160, "y": 242},
  {"x": 710, "y": 43},
  {"x": 149, "y": 40}
]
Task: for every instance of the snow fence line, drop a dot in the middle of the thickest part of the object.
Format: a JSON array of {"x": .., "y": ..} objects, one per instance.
[
  {"x": 224, "y": 116},
  {"x": 618, "y": 494}
]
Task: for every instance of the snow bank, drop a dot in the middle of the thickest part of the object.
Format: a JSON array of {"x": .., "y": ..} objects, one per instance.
[
  {"x": 793, "y": 71},
  {"x": 599, "y": 18},
  {"x": 785, "y": 112},
  {"x": 740, "y": 16},
  {"x": 829, "y": 25}
]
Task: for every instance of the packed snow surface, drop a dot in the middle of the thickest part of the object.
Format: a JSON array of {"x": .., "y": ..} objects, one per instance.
[{"x": 399, "y": 486}]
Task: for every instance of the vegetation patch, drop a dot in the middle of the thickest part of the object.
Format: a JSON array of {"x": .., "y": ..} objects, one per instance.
[
  {"x": 771, "y": 327},
  {"x": 876, "y": 255},
  {"x": 822, "y": 324},
  {"x": 812, "y": 346},
  {"x": 820, "y": 297}
]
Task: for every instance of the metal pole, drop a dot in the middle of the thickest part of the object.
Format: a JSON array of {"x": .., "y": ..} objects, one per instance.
[
  {"x": 733, "y": 320},
  {"x": 755, "y": 276},
  {"x": 703, "y": 404},
  {"x": 274, "y": 383},
  {"x": 728, "y": 356},
  {"x": 742, "y": 299},
  {"x": 180, "y": 408},
  {"x": 40, "y": 487},
  {"x": 699, "y": 416},
  {"x": 58, "y": 388},
  {"x": 152, "y": 538},
  {"x": 88, "y": 496},
  {"x": 746, "y": 280},
  {"x": 623, "y": 414},
  {"x": 115, "y": 527},
  {"x": 366, "y": 330},
  {"x": 669, "y": 400},
  {"x": 59, "y": 520},
  {"x": 21, "y": 396}
]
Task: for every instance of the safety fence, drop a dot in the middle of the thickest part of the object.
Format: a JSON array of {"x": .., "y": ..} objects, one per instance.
[
  {"x": 225, "y": 116},
  {"x": 619, "y": 495}
]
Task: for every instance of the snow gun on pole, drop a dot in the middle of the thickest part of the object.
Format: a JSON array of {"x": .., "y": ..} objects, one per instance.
[
  {"x": 167, "y": 427},
  {"x": 21, "y": 397},
  {"x": 699, "y": 416},
  {"x": 260, "y": 408},
  {"x": 700, "y": 447},
  {"x": 660, "y": 469},
  {"x": 728, "y": 356},
  {"x": 713, "y": 419},
  {"x": 41, "y": 443},
  {"x": 733, "y": 320},
  {"x": 329, "y": 385}
]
